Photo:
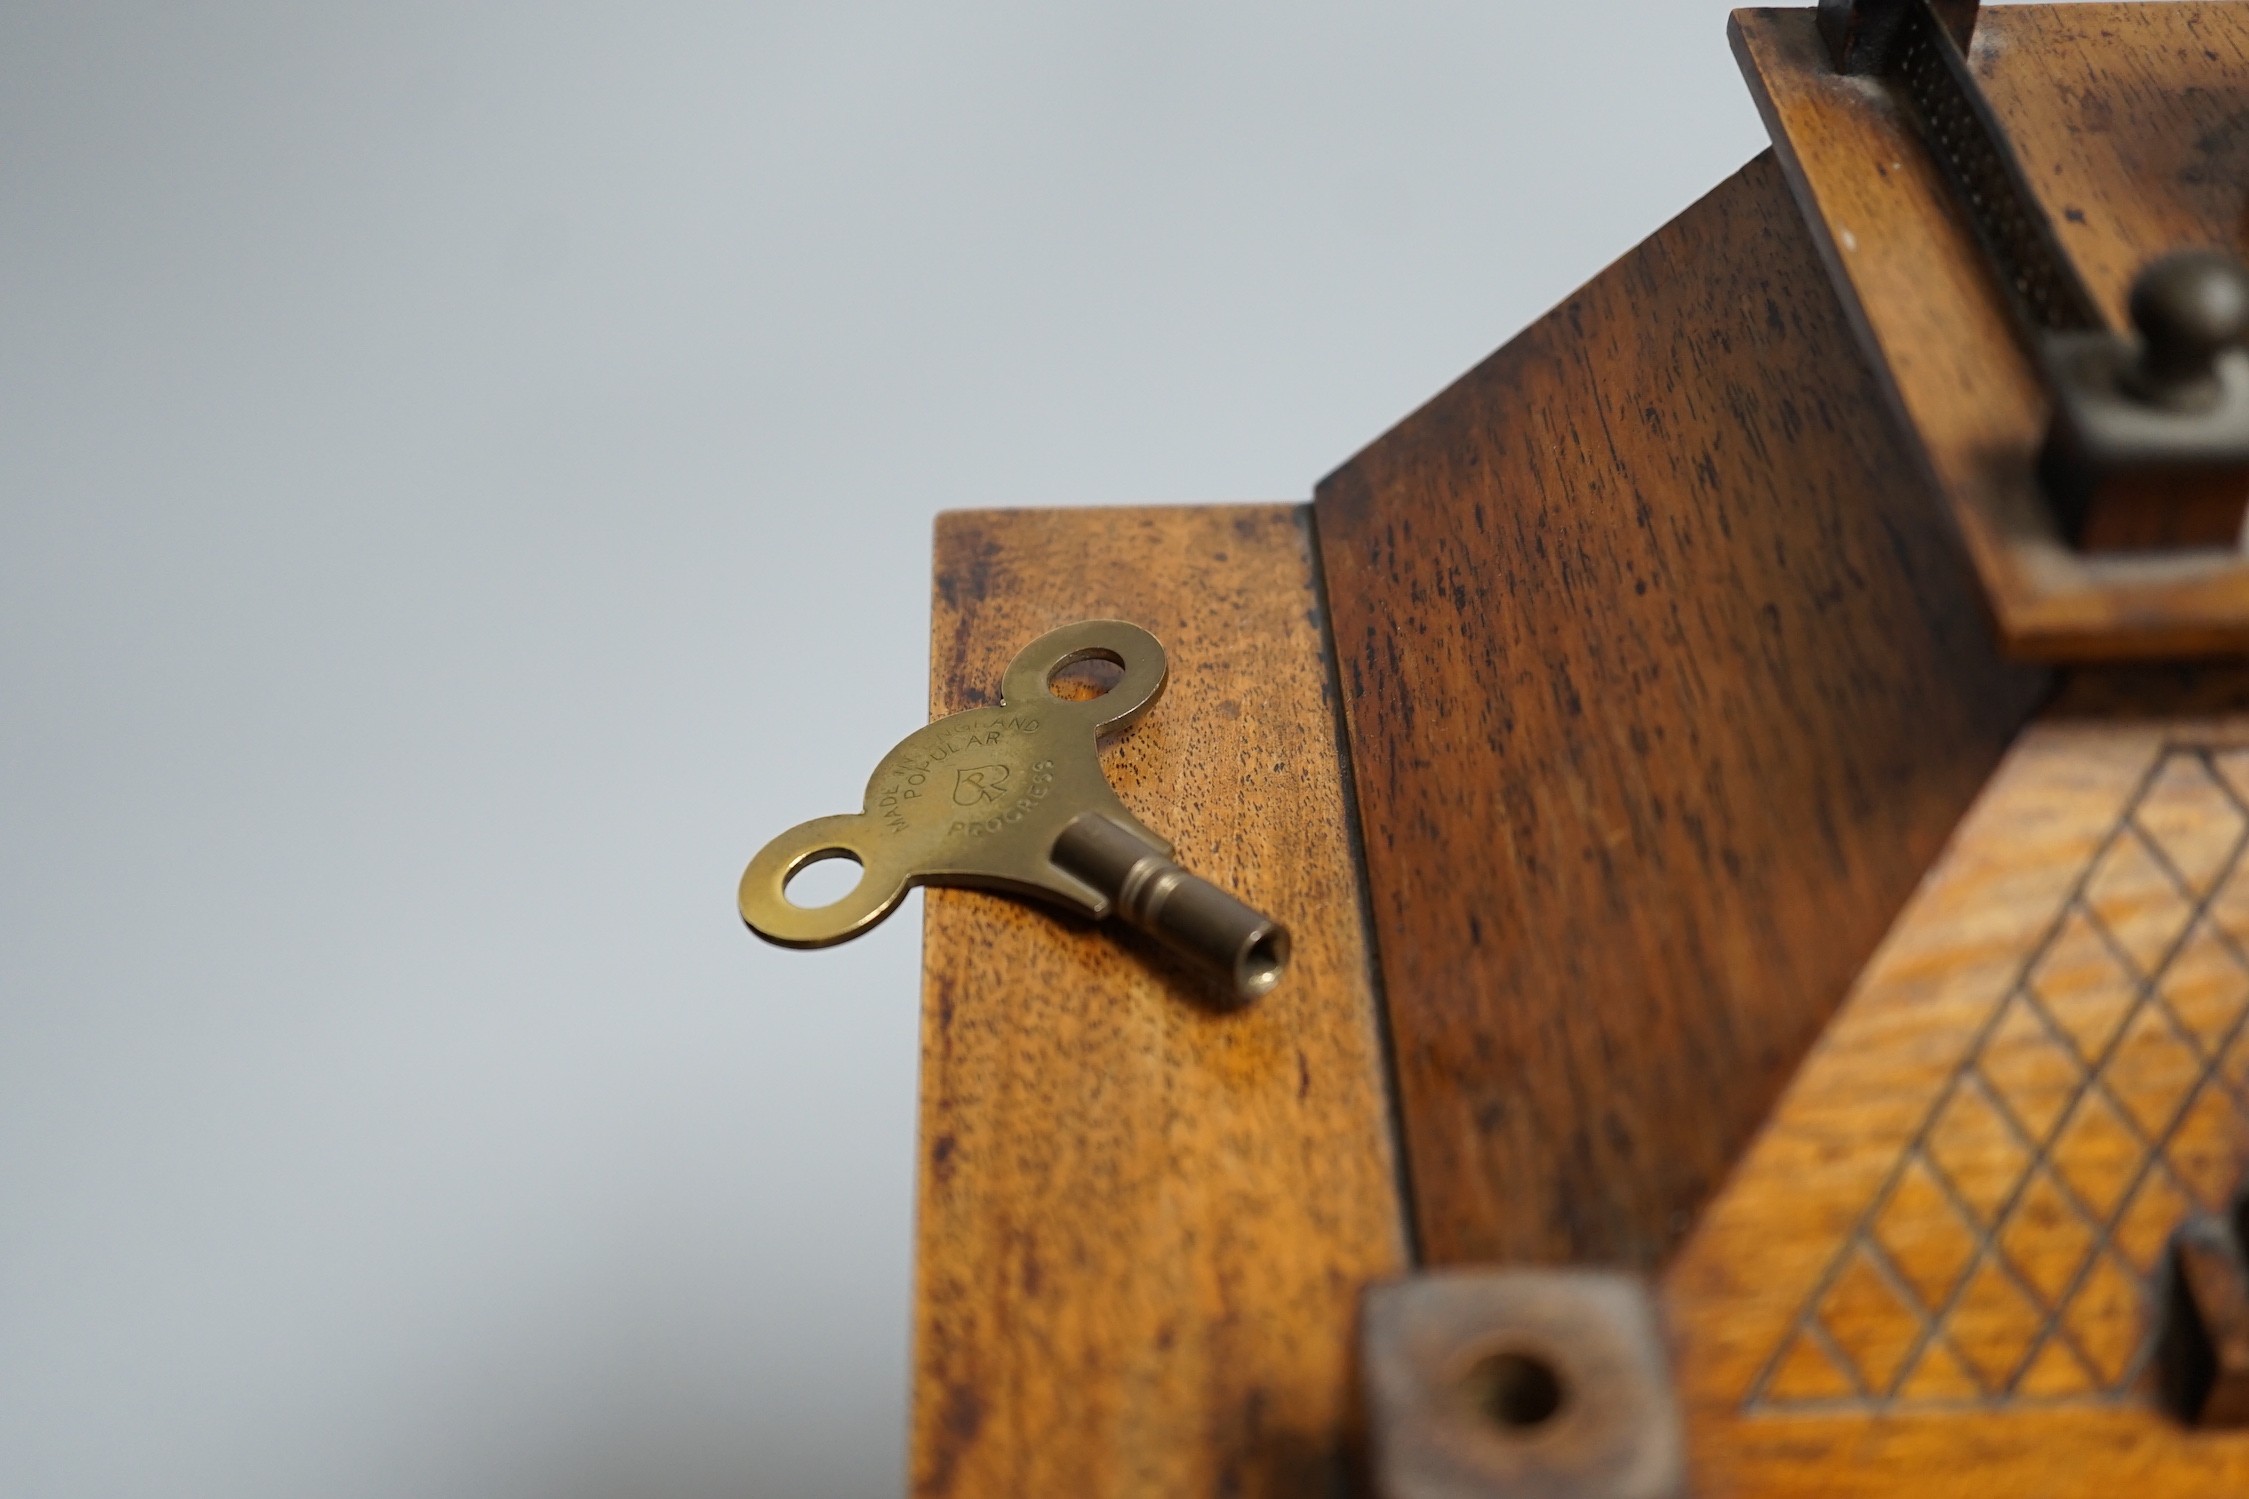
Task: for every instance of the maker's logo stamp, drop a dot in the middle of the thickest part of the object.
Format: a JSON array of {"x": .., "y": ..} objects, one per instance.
[{"x": 979, "y": 784}]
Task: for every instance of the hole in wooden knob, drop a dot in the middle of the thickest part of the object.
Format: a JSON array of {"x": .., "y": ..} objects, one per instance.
[{"x": 1517, "y": 1392}]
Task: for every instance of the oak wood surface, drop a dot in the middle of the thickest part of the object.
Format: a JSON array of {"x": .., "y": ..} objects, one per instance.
[
  {"x": 2132, "y": 122},
  {"x": 1143, "y": 1222},
  {"x": 1664, "y": 683},
  {"x": 1936, "y": 1270}
]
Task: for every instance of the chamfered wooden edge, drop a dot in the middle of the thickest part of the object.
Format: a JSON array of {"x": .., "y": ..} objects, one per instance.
[
  {"x": 1665, "y": 681},
  {"x": 1938, "y": 1268},
  {"x": 1931, "y": 321},
  {"x": 1144, "y": 1221}
]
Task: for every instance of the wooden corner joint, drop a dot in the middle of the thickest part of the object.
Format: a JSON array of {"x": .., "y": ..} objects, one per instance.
[
  {"x": 1519, "y": 1384},
  {"x": 2205, "y": 1336}
]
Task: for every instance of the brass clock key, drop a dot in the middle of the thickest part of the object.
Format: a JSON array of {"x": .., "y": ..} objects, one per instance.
[{"x": 1012, "y": 798}]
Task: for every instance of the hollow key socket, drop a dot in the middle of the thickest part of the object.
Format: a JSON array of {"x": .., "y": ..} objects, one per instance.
[
  {"x": 1012, "y": 798},
  {"x": 1185, "y": 912}
]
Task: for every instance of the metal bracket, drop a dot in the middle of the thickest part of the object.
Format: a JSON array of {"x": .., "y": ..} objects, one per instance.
[{"x": 1858, "y": 33}]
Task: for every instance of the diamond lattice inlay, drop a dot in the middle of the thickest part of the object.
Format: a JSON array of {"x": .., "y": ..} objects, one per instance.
[{"x": 2013, "y": 1251}]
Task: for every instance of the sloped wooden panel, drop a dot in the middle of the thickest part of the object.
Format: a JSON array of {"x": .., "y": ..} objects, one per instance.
[{"x": 1665, "y": 682}]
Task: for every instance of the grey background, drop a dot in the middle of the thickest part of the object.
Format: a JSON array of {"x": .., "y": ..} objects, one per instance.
[{"x": 465, "y": 480}]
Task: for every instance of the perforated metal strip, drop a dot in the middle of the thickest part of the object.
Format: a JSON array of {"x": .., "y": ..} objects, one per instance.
[{"x": 1972, "y": 147}]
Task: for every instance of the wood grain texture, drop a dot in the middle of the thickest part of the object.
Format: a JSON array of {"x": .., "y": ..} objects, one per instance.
[
  {"x": 1143, "y": 1223},
  {"x": 1936, "y": 1270},
  {"x": 2133, "y": 123},
  {"x": 1665, "y": 682}
]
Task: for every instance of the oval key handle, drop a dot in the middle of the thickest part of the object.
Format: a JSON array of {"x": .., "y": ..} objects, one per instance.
[{"x": 1012, "y": 798}]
